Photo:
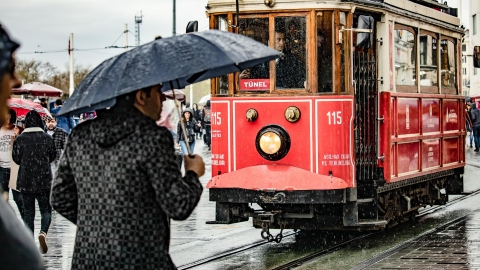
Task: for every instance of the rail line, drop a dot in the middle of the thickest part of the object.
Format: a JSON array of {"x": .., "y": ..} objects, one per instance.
[{"x": 319, "y": 253}]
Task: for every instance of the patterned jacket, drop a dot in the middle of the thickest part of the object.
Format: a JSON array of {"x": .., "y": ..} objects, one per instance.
[
  {"x": 118, "y": 181},
  {"x": 59, "y": 138}
]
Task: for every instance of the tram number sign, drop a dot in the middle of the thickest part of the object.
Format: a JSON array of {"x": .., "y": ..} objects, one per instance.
[
  {"x": 217, "y": 120},
  {"x": 334, "y": 118}
]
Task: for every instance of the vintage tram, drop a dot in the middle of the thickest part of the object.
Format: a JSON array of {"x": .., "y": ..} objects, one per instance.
[{"x": 355, "y": 127}]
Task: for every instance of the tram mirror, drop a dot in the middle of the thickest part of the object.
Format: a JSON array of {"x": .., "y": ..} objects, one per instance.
[
  {"x": 476, "y": 56},
  {"x": 365, "y": 40},
  {"x": 192, "y": 26}
]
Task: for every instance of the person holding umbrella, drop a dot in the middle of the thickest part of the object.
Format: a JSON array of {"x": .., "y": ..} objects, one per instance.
[
  {"x": 118, "y": 179},
  {"x": 191, "y": 126},
  {"x": 17, "y": 248}
]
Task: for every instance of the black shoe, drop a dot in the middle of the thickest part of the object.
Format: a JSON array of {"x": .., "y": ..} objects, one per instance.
[{"x": 476, "y": 150}]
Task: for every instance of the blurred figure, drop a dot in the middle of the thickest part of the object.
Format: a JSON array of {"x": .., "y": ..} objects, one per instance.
[
  {"x": 206, "y": 123},
  {"x": 469, "y": 123},
  {"x": 6, "y": 136},
  {"x": 476, "y": 126},
  {"x": 17, "y": 248},
  {"x": 63, "y": 122},
  {"x": 43, "y": 102},
  {"x": 59, "y": 138},
  {"x": 17, "y": 196},
  {"x": 33, "y": 151},
  {"x": 196, "y": 116}
]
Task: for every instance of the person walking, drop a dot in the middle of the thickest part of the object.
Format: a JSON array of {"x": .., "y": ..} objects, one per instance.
[
  {"x": 17, "y": 248},
  {"x": 17, "y": 196},
  {"x": 206, "y": 123},
  {"x": 33, "y": 151},
  {"x": 196, "y": 116},
  {"x": 63, "y": 122},
  {"x": 59, "y": 137},
  {"x": 6, "y": 136},
  {"x": 469, "y": 124},
  {"x": 476, "y": 126},
  {"x": 191, "y": 126},
  {"x": 118, "y": 181}
]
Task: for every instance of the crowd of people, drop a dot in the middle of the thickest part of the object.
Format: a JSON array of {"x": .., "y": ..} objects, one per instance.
[{"x": 88, "y": 178}]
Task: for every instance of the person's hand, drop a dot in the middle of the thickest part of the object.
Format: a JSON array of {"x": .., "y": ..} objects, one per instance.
[
  {"x": 245, "y": 74},
  {"x": 195, "y": 164}
]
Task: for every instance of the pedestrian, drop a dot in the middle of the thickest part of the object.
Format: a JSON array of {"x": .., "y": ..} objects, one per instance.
[
  {"x": 191, "y": 126},
  {"x": 33, "y": 151},
  {"x": 118, "y": 181},
  {"x": 6, "y": 136},
  {"x": 476, "y": 126},
  {"x": 59, "y": 137},
  {"x": 196, "y": 116},
  {"x": 469, "y": 123},
  {"x": 206, "y": 123},
  {"x": 63, "y": 122},
  {"x": 17, "y": 248},
  {"x": 43, "y": 102},
  {"x": 17, "y": 196}
]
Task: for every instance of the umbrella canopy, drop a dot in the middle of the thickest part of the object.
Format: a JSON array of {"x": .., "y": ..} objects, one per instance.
[
  {"x": 23, "y": 106},
  {"x": 204, "y": 99},
  {"x": 179, "y": 95},
  {"x": 38, "y": 89},
  {"x": 174, "y": 62}
]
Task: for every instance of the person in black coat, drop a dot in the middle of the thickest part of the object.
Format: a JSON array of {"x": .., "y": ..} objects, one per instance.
[
  {"x": 33, "y": 151},
  {"x": 196, "y": 116}
]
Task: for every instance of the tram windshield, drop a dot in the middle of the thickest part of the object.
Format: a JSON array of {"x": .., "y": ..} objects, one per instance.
[{"x": 288, "y": 35}]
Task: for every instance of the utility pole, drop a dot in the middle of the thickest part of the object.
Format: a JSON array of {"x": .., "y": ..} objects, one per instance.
[
  {"x": 174, "y": 31},
  {"x": 138, "y": 21},
  {"x": 70, "y": 52},
  {"x": 126, "y": 36}
]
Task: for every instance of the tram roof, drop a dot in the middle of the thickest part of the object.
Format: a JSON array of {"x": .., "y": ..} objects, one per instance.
[{"x": 422, "y": 8}]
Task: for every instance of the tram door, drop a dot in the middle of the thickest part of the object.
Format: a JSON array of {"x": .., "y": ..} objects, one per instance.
[{"x": 366, "y": 104}]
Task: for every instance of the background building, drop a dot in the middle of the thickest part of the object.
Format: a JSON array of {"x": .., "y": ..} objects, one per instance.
[{"x": 474, "y": 23}]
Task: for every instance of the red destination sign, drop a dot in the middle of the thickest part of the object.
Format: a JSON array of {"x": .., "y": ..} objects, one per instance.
[{"x": 254, "y": 84}]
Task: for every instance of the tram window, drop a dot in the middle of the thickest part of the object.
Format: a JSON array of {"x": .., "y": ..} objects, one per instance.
[
  {"x": 324, "y": 52},
  {"x": 290, "y": 39},
  {"x": 405, "y": 52},
  {"x": 428, "y": 64},
  {"x": 223, "y": 80},
  {"x": 448, "y": 67},
  {"x": 256, "y": 78}
]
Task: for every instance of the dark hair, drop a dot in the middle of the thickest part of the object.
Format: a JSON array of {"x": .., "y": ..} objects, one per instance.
[
  {"x": 280, "y": 30},
  {"x": 13, "y": 116},
  {"x": 130, "y": 97},
  {"x": 293, "y": 22},
  {"x": 58, "y": 102},
  {"x": 43, "y": 99}
]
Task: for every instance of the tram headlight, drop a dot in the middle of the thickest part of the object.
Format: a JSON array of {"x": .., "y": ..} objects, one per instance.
[{"x": 273, "y": 142}]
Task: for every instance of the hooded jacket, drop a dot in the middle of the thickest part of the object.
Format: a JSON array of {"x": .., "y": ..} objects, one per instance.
[
  {"x": 475, "y": 115},
  {"x": 33, "y": 151},
  {"x": 119, "y": 182},
  {"x": 190, "y": 126}
]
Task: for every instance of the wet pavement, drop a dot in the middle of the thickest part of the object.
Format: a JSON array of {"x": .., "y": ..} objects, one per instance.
[{"x": 193, "y": 240}]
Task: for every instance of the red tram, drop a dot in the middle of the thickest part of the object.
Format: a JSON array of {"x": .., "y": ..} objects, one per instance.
[{"x": 360, "y": 126}]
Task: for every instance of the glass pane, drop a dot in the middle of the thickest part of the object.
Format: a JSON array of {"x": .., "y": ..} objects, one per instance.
[
  {"x": 428, "y": 61},
  {"x": 325, "y": 52},
  {"x": 290, "y": 39},
  {"x": 405, "y": 57},
  {"x": 256, "y": 78},
  {"x": 223, "y": 80},
  {"x": 448, "y": 64}
]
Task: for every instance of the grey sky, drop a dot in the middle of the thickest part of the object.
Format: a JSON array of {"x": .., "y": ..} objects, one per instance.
[{"x": 45, "y": 25}]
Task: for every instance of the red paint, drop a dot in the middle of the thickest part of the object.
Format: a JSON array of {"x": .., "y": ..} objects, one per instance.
[
  {"x": 430, "y": 115},
  {"x": 335, "y": 141},
  {"x": 276, "y": 177},
  {"x": 430, "y": 153},
  {"x": 450, "y": 150},
  {"x": 254, "y": 84},
  {"x": 408, "y": 154},
  {"x": 408, "y": 122},
  {"x": 450, "y": 115}
]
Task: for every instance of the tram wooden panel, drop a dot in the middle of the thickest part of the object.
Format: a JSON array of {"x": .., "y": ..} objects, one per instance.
[{"x": 412, "y": 140}]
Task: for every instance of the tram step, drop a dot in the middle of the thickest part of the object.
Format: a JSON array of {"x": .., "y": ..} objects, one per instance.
[{"x": 372, "y": 222}]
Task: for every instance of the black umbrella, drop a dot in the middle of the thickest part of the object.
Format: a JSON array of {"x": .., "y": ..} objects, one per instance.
[{"x": 173, "y": 62}]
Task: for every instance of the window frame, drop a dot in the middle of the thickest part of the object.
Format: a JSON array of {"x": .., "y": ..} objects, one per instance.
[
  {"x": 430, "y": 89},
  {"x": 409, "y": 88}
]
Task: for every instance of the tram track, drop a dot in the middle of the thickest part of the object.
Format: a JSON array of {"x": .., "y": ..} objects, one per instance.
[{"x": 317, "y": 254}]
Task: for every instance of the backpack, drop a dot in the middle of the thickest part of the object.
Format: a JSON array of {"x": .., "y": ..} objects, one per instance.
[{"x": 206, "y": 115}]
